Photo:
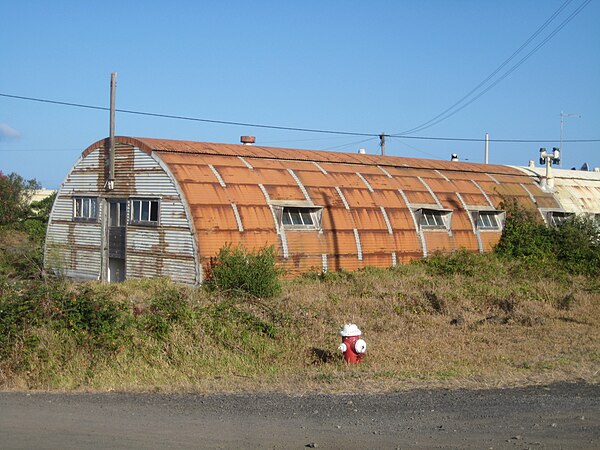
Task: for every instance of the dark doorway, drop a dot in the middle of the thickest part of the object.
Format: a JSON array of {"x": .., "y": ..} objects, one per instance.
[{"x": 117, "y": 232}]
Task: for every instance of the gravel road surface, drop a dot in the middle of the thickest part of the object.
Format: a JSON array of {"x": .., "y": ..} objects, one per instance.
[{"x": 565, "y": 415}]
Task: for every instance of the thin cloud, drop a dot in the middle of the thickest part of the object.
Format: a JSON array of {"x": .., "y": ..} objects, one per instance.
[{"x": 8, "y": 132}]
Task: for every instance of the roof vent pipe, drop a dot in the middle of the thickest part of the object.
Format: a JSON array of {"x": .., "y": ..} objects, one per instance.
[
  {"x": 247, "y": 140},
  {"x": 362, "y": 151}
]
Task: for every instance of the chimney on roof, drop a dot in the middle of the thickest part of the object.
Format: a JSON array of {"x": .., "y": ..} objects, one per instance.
[
  {"x": 362, "y": 151},
  {"x": 247, "y": 140},
  {"x": 531, "y": 164},
  {"x": 454, "y": 157}
]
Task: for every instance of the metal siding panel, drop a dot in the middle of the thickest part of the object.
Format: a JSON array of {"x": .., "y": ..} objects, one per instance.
[
  {"x": 420, "y": 197},
  {"x": 215, "y": 217},
  {"x": 204, "y": 194},
  {"x": 465, "y": 239},
  {"x": 335, "y": 219},
  {"x": 315, "y": 179},
  {"x": 489, "y": 239},
  {"x": 376, "y": 242},
  {"x": 186, "y": 173},
  {"x": 325, "y": 196},
  {"x": 285, "y": 192},
  {"x": 379, "y": 181},
  {"x": 438, "y": 241},
  {"x": 368, "y": 219},
  {"x": 256, "y": 218},
  {"x": 305, "y": 243},
  {"x": 389, "y": 199},
  {"x": 359, "y": 198}
]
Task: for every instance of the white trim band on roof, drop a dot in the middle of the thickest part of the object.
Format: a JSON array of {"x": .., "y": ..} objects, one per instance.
[
  {"x": 483, "y": 192},
  {"x": 528, "y": 193},
  {"x": 364, "y": 180},
  {"x": 437, "y": 202},
  {"x": 492, "y": 178},
  {"x": 248, "y": 165},
  {"x": 280, "y": 230},
  {"x": 442, "y": 175},
  {"x": 417, "y": 227},
  {"x": 358, "y": 246},
  {"x": 238, "y": 219},
  {"x": 387, "y": 220},
  {"x": 300, "y": 185},
  {"x": 319, "y": 167},
  {"x": 339, "y": 191},
  {"x": 385, "y": 171},
  {"x": 217, "y": 175}
]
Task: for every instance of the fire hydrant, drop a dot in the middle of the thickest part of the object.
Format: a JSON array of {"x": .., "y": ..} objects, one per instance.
[{"x": 353, "y": 347}]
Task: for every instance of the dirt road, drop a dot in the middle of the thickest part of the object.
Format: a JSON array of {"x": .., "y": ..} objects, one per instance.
[{"x": 555, "y": 416}]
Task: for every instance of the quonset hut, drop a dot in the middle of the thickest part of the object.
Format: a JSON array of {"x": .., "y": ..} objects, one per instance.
[{"x": 174, "y": 204}]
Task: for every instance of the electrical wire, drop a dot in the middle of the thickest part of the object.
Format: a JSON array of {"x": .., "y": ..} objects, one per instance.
[
  {"x": 443, "y": 115},
  {"x": 277, "y": 127}
]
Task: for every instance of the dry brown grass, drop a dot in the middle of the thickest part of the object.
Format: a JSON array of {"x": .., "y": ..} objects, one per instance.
[{"x": 422, "y": 329}]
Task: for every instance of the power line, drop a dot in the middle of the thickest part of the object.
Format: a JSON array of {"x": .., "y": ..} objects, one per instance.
[
  {"x": 277, "y": 127},
  {"x": 194, "y": 119},
  {"x": 443, "y": 115}
]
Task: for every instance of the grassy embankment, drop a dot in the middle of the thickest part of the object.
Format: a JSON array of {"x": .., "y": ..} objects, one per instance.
[{"x": 464, "y": 320}]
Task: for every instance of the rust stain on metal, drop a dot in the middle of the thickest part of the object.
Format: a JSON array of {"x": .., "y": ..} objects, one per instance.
[{"x": 285, "y": 173}]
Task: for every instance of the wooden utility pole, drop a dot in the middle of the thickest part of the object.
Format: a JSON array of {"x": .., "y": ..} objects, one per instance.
[
  {"x": 111, "y": 167},
  {"x": 382, "y": 143}
]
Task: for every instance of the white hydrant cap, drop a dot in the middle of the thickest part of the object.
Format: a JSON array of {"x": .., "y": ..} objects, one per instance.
[
  {"x": 350, "y": 329},
  {"x": 360, "y": 346}
]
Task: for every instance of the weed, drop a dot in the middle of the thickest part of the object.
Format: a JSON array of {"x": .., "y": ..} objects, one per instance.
[{"x": 237, "y": 270}]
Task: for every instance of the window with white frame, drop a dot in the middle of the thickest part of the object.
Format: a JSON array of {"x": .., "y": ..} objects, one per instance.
[
  {"x": 85, "y": 208},
  {"x": 297, "y": 217},
  {"x": 488, "y": 220},
  {"x": 434, "y": 219},
  {"x": 144, "y": 211}
]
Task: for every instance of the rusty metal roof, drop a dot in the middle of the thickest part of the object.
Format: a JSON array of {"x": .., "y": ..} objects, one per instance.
[
  {"x": 369, "y": 202},
  {"x": 254, "y": 151}
]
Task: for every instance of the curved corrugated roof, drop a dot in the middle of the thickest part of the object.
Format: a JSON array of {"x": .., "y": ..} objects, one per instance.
[
  {"x": 369, "y": 203},
  {"x": 150, "y": 145},
  {"x": 577, "y": 191}
]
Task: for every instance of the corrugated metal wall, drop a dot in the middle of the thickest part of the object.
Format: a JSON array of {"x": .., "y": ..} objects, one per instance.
[{"x": 75, "y": 248}]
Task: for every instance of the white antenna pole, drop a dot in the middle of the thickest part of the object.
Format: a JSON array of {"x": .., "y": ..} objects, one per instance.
[{"x": 487, "y": 146}]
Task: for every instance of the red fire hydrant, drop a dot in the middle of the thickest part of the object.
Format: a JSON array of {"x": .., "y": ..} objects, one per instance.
[{"x": 353, "y": 347}]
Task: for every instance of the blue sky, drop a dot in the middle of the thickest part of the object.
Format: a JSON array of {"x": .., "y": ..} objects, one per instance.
[{"x": 367, "y": 67}]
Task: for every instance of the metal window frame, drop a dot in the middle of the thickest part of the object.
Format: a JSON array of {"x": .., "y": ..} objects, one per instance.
[
  {"x": 316, "y": 215},
  {"x": 444, "y": 215},
  {"x": 135, "y": 221},
  {"x": 91, "y": 200},
  {"x": 499, "y": 218}
]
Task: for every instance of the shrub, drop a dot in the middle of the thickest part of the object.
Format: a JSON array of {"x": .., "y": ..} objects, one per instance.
[
  {"x": 573, "y": 246},
  {"x": 239, "y": 270},
  {"x": 524, "y": 236}
]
